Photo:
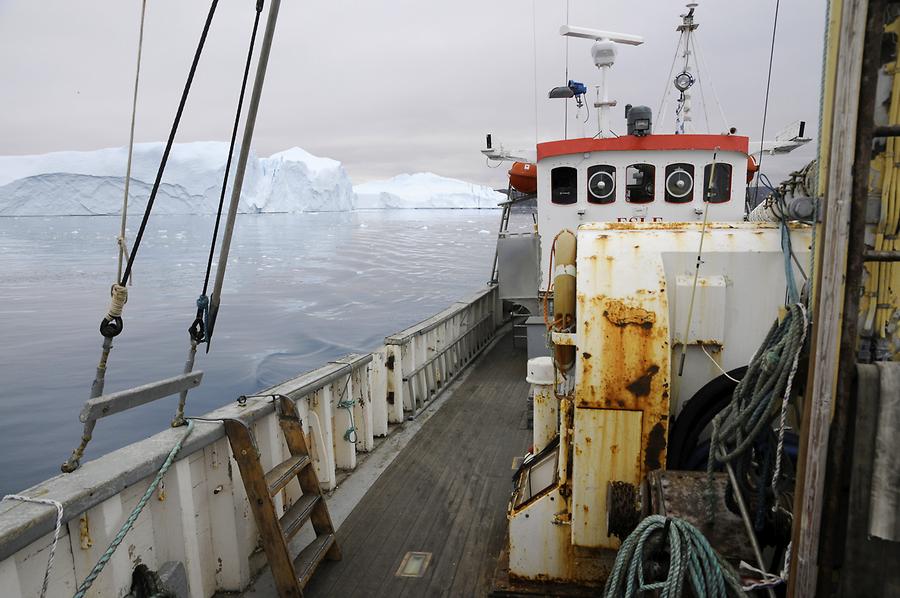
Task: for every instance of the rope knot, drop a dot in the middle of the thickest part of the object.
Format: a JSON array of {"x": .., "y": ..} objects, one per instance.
[
  {"x": 119, "y": 297},
  {"x": 200, "y": 324},
  {"x": 111, "y": 325}
]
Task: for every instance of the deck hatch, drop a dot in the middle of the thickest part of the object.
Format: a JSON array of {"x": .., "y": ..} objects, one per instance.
[{"x": 414, "y": 564}]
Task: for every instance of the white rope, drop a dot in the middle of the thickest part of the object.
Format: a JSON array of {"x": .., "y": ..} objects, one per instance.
[
  {"x": 123, "y": 251},
  {"x": 119, "y": 296},
  {"x": 59, "y": 516},
  {"x": 716, "y": 363},
  {"x": 782, "y": 424}
]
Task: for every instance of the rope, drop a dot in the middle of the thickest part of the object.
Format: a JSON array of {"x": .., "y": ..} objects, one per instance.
[
  {"x": 762, "y": 133},
  {"x": 716, "y": 363},
  {"x": 782, "y": 422},
  {"x": 690, "y": 558},
  {"x": 199, "y": 330},
  {"x": 129, "y": 523},
  {"x": 123, "y": 245},
  {"x": 351, "y": 435},
  {"x": 59, "y": 517},
  {"x": 169, "y": 142},
  {"x": 769, "y": 377}
]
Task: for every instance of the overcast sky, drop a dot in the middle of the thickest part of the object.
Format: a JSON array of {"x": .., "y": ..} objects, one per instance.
[{"x": 388, "y": 86}]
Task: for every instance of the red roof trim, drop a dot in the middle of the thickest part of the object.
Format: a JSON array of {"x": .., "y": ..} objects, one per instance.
[{"x": 729, "y": 143}]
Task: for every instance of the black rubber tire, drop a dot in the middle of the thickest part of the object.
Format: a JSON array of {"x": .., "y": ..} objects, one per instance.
[{"x": 698, "y": 412}]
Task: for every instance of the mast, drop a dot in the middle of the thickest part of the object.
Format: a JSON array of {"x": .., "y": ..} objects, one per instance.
[{"x": 685, "y": 79}]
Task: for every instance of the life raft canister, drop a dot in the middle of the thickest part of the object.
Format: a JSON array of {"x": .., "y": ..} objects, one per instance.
[
  {"x": 523, "y": 177},
  {"x": 752, "y": 167}
]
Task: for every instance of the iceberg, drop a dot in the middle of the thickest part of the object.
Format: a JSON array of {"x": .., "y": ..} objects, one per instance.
[
  {"x": 425, "y": 190},
  {"x": 93, "y": 182}
]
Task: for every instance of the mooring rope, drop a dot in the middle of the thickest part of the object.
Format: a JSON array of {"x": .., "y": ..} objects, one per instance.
[
  {"x": 59, "y": 517},
  {"x": 690, "y": 558},
  {"x": 135, "y": 513}
]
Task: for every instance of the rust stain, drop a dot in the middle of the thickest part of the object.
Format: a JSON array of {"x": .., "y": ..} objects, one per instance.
[
  {"x": 656, "y": 444},
  {"x": 641, "y": 386},
  {"x": 586, "y": 355},
  {"x": 620, "y": 314}
]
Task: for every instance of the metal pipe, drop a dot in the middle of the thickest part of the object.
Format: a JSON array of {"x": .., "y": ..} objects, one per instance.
[
  {"x": 881, "y": 256},
  {"x": 886, "y": 131},
  {"x": 745, "y": 517},
  {"x": 249, "y": 126}
]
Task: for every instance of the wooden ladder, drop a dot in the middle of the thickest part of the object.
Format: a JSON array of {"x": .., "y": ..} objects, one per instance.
[{"x": 290, "y": 575}]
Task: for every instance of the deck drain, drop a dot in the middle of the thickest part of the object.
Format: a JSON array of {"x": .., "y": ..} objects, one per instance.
[{"x": 414, "y": 564}]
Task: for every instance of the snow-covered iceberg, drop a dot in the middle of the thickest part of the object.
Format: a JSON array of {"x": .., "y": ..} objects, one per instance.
[
  {"x": 92, "y": 182},
  {"x": 424, "y": 190}
]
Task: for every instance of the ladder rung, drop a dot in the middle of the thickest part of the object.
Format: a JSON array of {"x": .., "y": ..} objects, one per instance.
[
  {"x": 310, "y": 557},
  {"x": 297, "y": 514},
  {"x": 284, "y": 472}
]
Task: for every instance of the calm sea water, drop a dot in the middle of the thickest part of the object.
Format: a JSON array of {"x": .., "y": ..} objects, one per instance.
[{"x": 300, "y": 290}]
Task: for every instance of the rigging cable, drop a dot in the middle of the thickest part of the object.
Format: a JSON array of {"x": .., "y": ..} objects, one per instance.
[
  {"x": 566, "y": 121},
  {"x": 700, "y": 84},
  {"x": 766, "y": 104},
  {"x": 662, "y": 100},
  {"x": 111, "y": 325},
  {"x": 121, "y": 240},
  {"x": 534, "y": 61},
  {"x": 198, "y": 329},
  {"x": 712, "y": 83},
  {"x": 171, "y": 140}
]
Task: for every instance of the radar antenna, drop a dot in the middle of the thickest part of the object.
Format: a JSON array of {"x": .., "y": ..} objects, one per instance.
[{"x": 604, "y": 54}]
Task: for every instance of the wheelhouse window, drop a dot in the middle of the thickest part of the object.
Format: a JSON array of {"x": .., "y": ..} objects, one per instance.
[
  {"x": 639, "y": 181},
  {"x": 601, "y": 184},
  {"x": 679, "y": 183},
  {"x": 720, "y": 189},
  {"x": 564, "y": 185}
]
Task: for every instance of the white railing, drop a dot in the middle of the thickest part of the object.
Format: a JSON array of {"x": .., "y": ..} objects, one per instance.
[{"x": 200, "y": 515}]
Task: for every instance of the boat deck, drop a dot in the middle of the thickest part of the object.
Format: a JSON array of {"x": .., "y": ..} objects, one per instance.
[{"x": 445, "y": 494}]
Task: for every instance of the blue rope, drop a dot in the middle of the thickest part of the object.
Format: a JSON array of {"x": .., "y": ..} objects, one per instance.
[
  {"x": 129, "y": 523},
  {"x": 786, "y": 249}
]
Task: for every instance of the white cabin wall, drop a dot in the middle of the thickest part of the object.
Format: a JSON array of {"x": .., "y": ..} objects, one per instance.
[{"x": 553, "y": 218}]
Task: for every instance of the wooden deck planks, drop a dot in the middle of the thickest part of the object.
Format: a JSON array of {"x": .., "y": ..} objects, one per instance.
[{"x": 446, "y": 494}]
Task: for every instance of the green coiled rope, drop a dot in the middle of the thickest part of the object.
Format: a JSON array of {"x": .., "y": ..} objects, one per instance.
[{"x": 691, "y": 559}]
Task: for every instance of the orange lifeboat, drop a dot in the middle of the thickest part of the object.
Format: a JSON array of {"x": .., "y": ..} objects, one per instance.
[{"x": 523, "y": 177}]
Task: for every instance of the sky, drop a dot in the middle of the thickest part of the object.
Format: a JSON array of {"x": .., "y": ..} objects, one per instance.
[{"x": 395, "y": 86}]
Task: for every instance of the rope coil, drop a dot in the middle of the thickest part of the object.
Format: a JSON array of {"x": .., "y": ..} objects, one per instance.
[
  {"x": 755, "y": 401},
  {"x": 690, "y": 559}
]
